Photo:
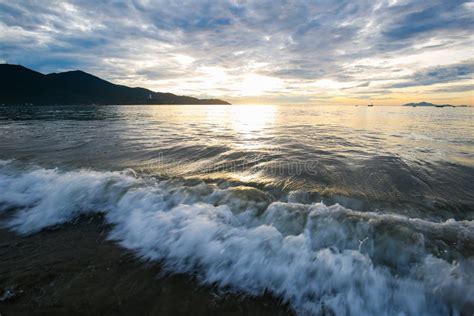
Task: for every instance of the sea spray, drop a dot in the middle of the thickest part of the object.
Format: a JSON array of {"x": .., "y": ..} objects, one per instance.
[{"x": 317, "y": 258}]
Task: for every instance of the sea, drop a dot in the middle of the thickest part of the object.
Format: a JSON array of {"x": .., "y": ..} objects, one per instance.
[{"x": 331, "y": 210}]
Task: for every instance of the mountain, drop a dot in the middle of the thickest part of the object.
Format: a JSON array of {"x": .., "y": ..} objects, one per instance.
[
  {"x": 431, "y": 104},
  {"x": 20, "y": 85}
]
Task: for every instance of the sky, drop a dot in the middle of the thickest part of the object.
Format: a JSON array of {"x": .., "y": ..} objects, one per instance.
[{"x": 385, "y": 52}]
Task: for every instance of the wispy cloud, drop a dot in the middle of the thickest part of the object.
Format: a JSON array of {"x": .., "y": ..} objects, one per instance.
[
  {"x": 456, "y": 89},
  {"x": 274, "y": 50},
  {"x": 435, "y": 75}
]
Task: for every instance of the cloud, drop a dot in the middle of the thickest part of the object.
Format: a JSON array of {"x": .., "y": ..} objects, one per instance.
[
  {"x": 422, "y": 18},
  {"x": 456, "y": 89},
  {"x": 361, "y": 85},
  {"x": 435, "y": 75},
  {"x": 357, "y": 45}
]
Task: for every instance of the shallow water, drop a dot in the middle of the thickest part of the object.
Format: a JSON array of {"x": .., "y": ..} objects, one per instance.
[{"x": 351, "y": 210}]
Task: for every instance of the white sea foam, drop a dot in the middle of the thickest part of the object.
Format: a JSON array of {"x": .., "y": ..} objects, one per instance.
[{"x": 317, "y": 258}]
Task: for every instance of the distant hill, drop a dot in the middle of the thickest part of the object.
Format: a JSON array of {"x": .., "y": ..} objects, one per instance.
[
  {"x": 20, "y": 85},
  {"x": 431, "y": 104}
]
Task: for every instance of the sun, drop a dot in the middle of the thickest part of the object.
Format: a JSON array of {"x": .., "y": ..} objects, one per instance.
[{"x": 255, "y": 85}]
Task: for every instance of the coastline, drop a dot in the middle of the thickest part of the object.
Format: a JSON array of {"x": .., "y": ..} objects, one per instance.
[{"x": 75, "y": 269}]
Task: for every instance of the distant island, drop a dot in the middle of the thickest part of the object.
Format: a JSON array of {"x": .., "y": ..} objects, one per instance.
[
  {"x": 432, "y": 104},
  {"x": 20, "y": 85}
]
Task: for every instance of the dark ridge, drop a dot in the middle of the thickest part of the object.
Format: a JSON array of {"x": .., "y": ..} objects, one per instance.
[
  {"x": 20, "y": 85},
  {"x": 432, "y": 104}
]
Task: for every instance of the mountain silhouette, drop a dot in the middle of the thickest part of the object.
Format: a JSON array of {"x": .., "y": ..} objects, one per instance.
[
  {"x": 422, "y": 104},
  {"x": 20, "y": 85}
]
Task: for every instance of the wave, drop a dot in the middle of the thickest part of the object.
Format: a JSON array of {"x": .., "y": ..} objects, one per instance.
[{"x": 319, "y": 259}]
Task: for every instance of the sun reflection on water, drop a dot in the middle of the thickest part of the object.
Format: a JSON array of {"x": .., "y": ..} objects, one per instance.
[{"x": 251, "y": 120}]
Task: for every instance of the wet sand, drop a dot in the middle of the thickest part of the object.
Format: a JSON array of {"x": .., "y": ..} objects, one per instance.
[{"x": 74, "y": 270}]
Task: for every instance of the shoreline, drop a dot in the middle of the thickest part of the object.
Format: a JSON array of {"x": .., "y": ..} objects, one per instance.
[{"x": 74, "y": 269}]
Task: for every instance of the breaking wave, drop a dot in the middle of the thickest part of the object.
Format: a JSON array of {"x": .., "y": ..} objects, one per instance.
[{"x": 319, "y": 259}]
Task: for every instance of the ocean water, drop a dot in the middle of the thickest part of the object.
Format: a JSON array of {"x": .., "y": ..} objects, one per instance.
[{"x": 344, "y": 210}]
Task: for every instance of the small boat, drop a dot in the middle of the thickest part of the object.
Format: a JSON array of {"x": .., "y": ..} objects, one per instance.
[{"x": 370, "y": 105}]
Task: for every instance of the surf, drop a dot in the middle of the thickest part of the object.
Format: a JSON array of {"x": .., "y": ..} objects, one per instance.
[{"x": 317, "y": 258}]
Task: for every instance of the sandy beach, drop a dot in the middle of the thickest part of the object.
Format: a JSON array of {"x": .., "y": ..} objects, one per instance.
[{"x": 75, "y": 270}]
